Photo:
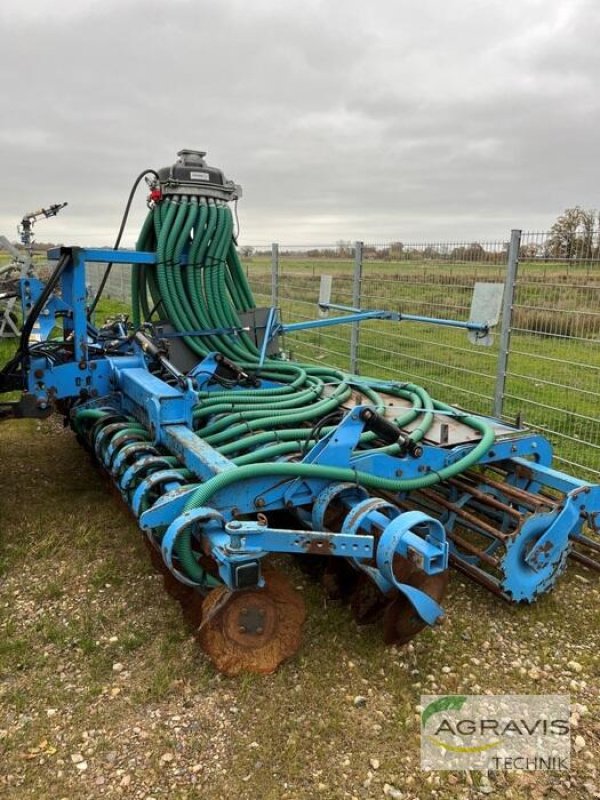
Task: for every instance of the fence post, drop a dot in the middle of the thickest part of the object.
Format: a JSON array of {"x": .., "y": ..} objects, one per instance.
[
  {"x": 356, "y": 300},
  {"x": 275, "y": 274},
  {"x": 507, "y": 310}
]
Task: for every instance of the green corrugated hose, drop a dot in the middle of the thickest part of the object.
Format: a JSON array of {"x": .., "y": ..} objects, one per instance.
[{"x": 199, "y": 282}]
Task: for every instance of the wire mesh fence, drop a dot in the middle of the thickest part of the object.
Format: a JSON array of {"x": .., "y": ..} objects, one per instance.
[
  {"x": 296, "y": 292},
  {"x": 433, "y": 280},
  {"x": 544, "y": 368},
  {"x": 553, "y": 375},
  {"x": 544, "y": 371},
  {"x": 118, "y": 285}
]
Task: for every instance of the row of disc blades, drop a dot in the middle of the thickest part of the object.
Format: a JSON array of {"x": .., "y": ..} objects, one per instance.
[{"x": 255, "y": 630}]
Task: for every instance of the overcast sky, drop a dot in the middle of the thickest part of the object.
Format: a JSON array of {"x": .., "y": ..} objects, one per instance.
[{"x": 383, "y": 120}]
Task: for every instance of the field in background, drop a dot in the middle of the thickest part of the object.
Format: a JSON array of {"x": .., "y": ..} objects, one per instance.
[{"x": 553, "y": 374}]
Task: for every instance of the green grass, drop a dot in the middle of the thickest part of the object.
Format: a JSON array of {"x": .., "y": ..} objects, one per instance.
[{"x": 553, "y": 377}]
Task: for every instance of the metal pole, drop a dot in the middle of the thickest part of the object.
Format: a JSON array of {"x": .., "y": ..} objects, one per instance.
[
  {"x": 356, "y": 299},
  {"x": 275, "y": 274},
  {"x": 507, "y": 310}
]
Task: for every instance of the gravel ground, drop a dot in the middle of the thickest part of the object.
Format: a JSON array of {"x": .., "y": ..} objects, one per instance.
[{"x": 104, "y": 693}]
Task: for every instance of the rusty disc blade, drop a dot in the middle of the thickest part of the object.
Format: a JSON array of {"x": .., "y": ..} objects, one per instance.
[
  {"x": 155, "y": 556},
  {"x": 339, "y": 580},
  {"x": 253, "y": 630},
  {"x": 401, "y": 622},
  {"x": 192, "y": 609},
  {"x": 367, "y": 602},
  {"x": 176, "y": 589}
]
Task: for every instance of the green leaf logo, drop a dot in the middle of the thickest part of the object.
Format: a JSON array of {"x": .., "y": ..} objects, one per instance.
[
  {"x": 446, "y": 703},
  {"x": 450, "y": 701}
]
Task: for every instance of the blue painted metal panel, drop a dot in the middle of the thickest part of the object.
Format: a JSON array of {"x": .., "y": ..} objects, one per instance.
[
  {"x": 59, "y": 381},
  {"x": 74, "y": 294},
  {"x": 107, "y": 255},
  {"x": 250, "y": 538},
  {"x": 194, "y": 452},
  {"x": 153, "y": 401}
]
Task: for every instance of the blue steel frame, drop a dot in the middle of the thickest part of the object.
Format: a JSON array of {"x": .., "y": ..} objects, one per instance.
[{"x": 167, "y": 412}]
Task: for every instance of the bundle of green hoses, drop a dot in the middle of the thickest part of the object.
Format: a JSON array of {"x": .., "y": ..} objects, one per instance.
[{"x": 256, "y": 428}]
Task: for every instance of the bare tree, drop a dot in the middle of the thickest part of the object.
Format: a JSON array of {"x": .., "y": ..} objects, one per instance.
[
  {"x": 575, "y": 234},
  {"x": 343, "y": 248}
]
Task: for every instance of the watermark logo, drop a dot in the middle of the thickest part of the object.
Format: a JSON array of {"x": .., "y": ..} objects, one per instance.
[{"x": 514, "y": 732}]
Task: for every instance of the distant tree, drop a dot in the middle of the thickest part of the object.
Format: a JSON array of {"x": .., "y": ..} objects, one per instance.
[
  {"x": 370, "y": 251},
  {"x": 471, "y": 252},
  {"x": 575, "y": 234},
  {"x": 431, "y": 252},
  {"x": 343, "y": 248},
  {"x": 396, "y": 249},
  {"x": 527, "y": 252}
]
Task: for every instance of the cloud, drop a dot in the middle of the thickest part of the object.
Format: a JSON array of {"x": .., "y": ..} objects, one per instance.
[{"x": 340, "y": 119}]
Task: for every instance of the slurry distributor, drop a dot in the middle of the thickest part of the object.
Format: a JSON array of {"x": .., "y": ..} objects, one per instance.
[{"x": 226, "y": 452}]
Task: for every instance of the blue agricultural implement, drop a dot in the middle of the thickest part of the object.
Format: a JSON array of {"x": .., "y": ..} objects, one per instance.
[{"x": 227, "y": 452}]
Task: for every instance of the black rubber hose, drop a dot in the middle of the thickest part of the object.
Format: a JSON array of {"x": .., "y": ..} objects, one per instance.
[
  {"x": 22, "y": 355},
  {"x": 108, "y": 269}
]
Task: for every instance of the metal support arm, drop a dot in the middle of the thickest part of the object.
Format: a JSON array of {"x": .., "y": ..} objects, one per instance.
[{"x": 358, "y": 315}]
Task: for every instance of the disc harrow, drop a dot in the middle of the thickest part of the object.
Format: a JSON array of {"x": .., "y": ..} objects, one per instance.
[{"x": 227, "y": 452}]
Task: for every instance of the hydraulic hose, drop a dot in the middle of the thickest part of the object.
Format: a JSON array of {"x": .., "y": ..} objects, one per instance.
[
  {"x": 292, "y": 470},
  {"x": 108, "y": 269},
  {"x": 199, "y": 283}
]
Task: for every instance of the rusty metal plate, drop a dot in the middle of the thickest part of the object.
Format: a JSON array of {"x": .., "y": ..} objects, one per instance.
[
  {"x": 401, "y": 623},
  {"x": 253, "y": 630},
  {"x": 444, "y": 431}
]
